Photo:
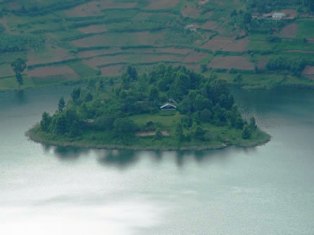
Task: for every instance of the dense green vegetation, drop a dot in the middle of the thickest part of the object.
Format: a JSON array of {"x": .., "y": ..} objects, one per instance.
[
  {"x": 128, "y": 112},
  {"x": 269, "y": 5}
]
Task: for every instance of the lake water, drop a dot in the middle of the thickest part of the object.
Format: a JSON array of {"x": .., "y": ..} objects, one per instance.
[{"x": 263, "y": 190}]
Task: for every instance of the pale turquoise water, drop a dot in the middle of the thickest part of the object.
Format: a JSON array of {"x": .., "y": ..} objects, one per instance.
[{"x": 264, "y": 190}]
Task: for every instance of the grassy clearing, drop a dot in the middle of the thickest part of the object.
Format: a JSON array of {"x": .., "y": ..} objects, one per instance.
[
  {"x": 305, "y": 28},
  {"x": 83, "y": 70},
  {"x": 258, "y": 42}
]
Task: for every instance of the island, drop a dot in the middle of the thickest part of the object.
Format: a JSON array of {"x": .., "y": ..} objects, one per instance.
[{"x": 166, "y": 108}]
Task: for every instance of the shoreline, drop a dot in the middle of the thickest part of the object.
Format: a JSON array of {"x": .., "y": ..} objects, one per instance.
[
  {"x": 243, "y": 86},
  {"x": 77, "y": 144}
]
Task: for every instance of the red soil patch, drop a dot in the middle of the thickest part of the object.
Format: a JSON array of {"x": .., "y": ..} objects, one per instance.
[
  {"x": 202, "y": 2},
  {"x": 99, "y": 52},
  {"x": 50, "y": 56},
  {"x": 157, "y": 58},
  {"x": 193, "y": 66},
  {"x": 13, "y": 6},
  {"x": 211, "y": 25},
  {"x": 95, "y": 8},
  {"x": 229, "y": 62},
  {"x": 290, "y": 13},
  {"x": 51, "y": 71},
  {"x": 113, "y": 70},
  {"x": 309, "y": 72},
  {"x": 226, "y": 44},
  {"x": 310, "y": 40},
  {"x": 290, "y": 31},
  {"x": 6, "y": 70},
  {"x": 115, "y": 51},
  {"x": 178, "y": 51},
  {"x": 4, "y": 24},
  {"x": 194, "y": 57},
  {"x": 96, "y": 40},
  {"x": 190, "y": 11},
  {"x": 98, "y": 61},
  {"x": 147, "y": 38},
  {"x": 261, "y": 64},
  {"x": 88, "y": 9},
  {"x": 116, "y": 5},
  {"x": 104, "y": 61},
  {"x": 301, "y": 51},
  {"x": 162, "y": 4},
  {"x": 121, "y": 39},
  {"x": 93, "y": 29}
]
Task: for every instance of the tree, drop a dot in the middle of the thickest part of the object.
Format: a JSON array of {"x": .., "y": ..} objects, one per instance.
[
  {"x": 89, "y": 97},
  {"x": 76, "y": 94},
  {"x": 247, "y": 18},
  {"x": 101, "y": 85},
  {"x": 186, "y": 121},
  {"x": 205, "y": 115},
  {"x": 226, "y": 101},
  {"x": 186, "y": 105},
  {"x": 179, "y": 132},
  {"x": 18, "y": 66},
  {"x": 60, "y": 127},
  {"x": 158, "y": 134},
  {"x": 199, "y": 133},
  {"x": 45, "y": 121},
  {"x": 74, "y": 126},
  {"x": 154, "y": 94},
  {"x": 124, "y": 127},
  {"x": 61, "y": 104},
  {"x": 203, "y": 68},
  {"x": 131, "y": 71},
  {"x": 246, "y": 132},
  {"x": 104, "y": 123},
  {"x": 238, "y": 78},
  {"x": 236, "y": 120},
  {"x": 201, "y": 103},
  {"x": 252, "y": 123},
  {"x": 19, "y": 79}
]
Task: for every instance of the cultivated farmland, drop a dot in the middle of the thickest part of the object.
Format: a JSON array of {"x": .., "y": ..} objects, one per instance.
[{"x": 84, "y": 39}]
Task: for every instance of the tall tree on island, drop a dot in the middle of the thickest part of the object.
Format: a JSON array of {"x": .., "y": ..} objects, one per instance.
[
  {"x": 61, "y": 104},
  {"x": 18, "y": 66}
]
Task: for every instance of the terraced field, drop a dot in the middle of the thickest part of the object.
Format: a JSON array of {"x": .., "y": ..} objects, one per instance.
[{"x": 86, "y": 39}]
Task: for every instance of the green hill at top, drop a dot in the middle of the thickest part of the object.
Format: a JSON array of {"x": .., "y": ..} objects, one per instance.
[
  {"x": 71, "y": 40},
  {"x": 168, "y": 108}
]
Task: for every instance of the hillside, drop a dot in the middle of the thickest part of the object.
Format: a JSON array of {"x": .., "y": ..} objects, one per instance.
[{"x": 248, "y": 43}]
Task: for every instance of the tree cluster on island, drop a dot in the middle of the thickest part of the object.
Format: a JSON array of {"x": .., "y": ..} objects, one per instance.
[{"x": 115, "y": 111}]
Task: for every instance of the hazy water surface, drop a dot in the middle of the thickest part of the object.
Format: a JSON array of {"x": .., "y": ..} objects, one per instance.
[{"x": 264, "y": 190}]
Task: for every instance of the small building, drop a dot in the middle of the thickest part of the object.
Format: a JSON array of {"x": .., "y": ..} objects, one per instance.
[
  {"x": 172, "y": 101},
  {"x": 191, "y": 27},
  {"x": 168, "y": 106},
  {"x": 278, "y": 15}
]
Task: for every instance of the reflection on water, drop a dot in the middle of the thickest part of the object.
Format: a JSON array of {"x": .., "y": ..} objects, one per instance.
[
  {"x": 127, "y": 159},
  {"x": 69, "y": 153},
  {"x": 21, "y": 97},
  {"x": 119, "y": 158}
]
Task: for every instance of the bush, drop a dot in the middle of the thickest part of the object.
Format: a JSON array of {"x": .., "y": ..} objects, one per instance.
[{"x": 246, "y": 132}]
